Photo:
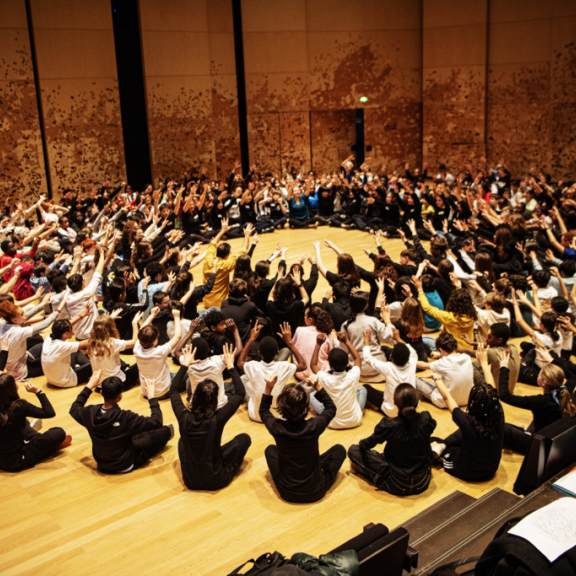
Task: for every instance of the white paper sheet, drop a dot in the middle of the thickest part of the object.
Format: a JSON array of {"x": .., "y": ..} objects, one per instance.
[
  {"x": 567, "y": 483},
  {"x": 552, "y": 529}
]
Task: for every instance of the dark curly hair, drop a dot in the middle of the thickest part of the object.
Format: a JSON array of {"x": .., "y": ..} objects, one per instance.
[
  {"x": 322, "y": 320},
  {"x": 460, "y": 303},
  {"x": 486, "y": 411},
  {"x": 384, "y": 267}
]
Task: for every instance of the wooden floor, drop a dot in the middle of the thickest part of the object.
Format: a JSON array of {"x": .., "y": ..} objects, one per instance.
[{"x": 65, "y": 518}]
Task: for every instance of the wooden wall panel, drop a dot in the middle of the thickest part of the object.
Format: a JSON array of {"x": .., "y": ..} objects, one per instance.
[
  {"x": 22, "y": 173},
  {"x": 532, "y": 86},
  {"x": 454, "y": 81},
  {"x": 79, "y": 89},
  {"x": 318, "y": 56},
  {"x": 188, "y": 53}
]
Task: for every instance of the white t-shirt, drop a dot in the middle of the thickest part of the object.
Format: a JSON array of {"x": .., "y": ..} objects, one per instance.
[
  {"x": 341, "y": 386},
  {"x": 545, "y": 295},
  {"x": 549, "y": 343},
  {"x": 56, "y": 362},
  {"x": 153, "y": 364},
  {"x": 170, "y": 329},
  {"x": 255, "y": 385},
  {"x": 210, "y": 368},
  {"x": 110, "y": 365},
  {"x": 15, "y": 336},
  {"x": 395, "y": 375},
  {"x": 488, "y": 317},
  {"x": 75, "y": 305},
  {"x": 457, "y": 374}
]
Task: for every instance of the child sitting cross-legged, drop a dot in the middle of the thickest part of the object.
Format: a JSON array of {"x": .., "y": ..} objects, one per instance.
[
  {"x": 152, "y": 359},
  {"x": 255, "y": 373},
  {"x": 122, "y": 440},
  {"x": 341, "y": 384}
]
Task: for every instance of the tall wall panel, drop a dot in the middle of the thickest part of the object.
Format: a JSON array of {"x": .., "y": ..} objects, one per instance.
[
  {"x": 79, "y": 88},
  {"x": 22, "y": 174},
  {"x": 532, "y": 85},
  {"x": 454, "y": 81},
  {"x": 188, "y": 53}
]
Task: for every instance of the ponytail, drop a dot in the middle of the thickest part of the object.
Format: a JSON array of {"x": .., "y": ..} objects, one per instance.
[
  {"x": 553, "y": 377},
  {"x": 358, "y": 303},
  {"x": 567, "y": 408}
]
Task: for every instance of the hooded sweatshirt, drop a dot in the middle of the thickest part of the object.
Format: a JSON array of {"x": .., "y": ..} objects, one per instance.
[
  {"x": 242, "y": 311},
  {"x": 488, "y": 317},
  {"x": 111, "y": 431}
]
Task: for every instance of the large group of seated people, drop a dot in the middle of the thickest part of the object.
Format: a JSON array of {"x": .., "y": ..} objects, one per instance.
[{"x": 109, "y": 274}]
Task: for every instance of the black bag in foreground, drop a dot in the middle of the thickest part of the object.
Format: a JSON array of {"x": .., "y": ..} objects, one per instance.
[{"x": 263, "y": 565}]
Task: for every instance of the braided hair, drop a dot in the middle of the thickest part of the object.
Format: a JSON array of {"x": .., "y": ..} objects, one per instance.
[{"x": 486, "y": 411}]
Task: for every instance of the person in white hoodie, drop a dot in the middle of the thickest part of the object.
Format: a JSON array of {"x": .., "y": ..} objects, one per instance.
[
  {"x": 455, "y": 370},
  {"x": 400, "y": 370}
]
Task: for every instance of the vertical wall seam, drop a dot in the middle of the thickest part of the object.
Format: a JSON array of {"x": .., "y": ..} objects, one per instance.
[
  {"x": 241, "y": 84},
  {"x": 38, "y": 97}
]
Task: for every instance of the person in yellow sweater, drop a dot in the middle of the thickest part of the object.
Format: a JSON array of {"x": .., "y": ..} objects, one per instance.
[
  {"x": 225, "y": 265},
  {"x": 459, "y": 316}
]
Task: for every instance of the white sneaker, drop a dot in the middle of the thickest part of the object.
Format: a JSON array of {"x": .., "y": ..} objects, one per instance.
[
  {"x": 36, "y": 424},
  {"x": 438, "y": 448}
]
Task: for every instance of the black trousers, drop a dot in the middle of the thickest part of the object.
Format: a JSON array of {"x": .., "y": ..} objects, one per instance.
[
  {"x": 375, "y": 468},
  {"x": 330, "y": 463},
  {"x": 233, "y": 453},
  {"x": 39, "y": 446},
  {"x": 148, "y": 444},
  {"x": 293, "y": 223},
  {"x": 375, "y": 396},
  {"x": 516, "y": 439},
  {"x": 81, "y": 365},
  {"x": 132, "y": 375}
]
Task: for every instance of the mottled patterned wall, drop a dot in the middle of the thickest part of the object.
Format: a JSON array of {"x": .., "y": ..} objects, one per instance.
[
  {"x": 307, "y": 64},
  {"x": 188, "y": 53},
  {"x": 454, "y": 81},
  {"x": 532, "y": 86},
  {"x": 79, "y": 88},
  {"x": 21, "y": 160}
]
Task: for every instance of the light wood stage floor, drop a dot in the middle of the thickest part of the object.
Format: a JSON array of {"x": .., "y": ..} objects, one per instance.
[{"x": 65, "y": 518}]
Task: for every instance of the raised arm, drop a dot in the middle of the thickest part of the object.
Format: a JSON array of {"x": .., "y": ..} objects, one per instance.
[
  {"x": 300, "y": 286},
  {"x": 321, "y": 267},
  {"x": 450, "y": 402},
  {"x": 286, "y": 335}
]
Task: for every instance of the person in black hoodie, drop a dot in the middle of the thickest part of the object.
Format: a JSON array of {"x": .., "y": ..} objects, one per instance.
[
  {"x": 301, "y": 474},
  {"x": 405, "y": 466},
  {"x": 206, "y": 465},
  {"x": 122, "y": 440},
  {"x": 239, "y": 307},
  {"x": 21, "y": 445}
]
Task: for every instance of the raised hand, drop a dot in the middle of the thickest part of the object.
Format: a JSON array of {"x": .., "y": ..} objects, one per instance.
[
  {"x": 255, "y": 331},
  {"x": 31, "y": 388},
  {"x": 228, "y": 356},
  {"x": 321, "y": 338},
  {"x": 188, "y": 356},
  {"x": 285, "y": 333},
  {"x": 367, "y": 337}
]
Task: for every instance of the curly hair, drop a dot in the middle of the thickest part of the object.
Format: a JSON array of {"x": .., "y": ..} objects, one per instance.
[
  {"x": 486, "y": 411},
  {"x": 322, "y": 320},
  {"x": 384, "y": 267},
  {"x": 460, "y": 303}
]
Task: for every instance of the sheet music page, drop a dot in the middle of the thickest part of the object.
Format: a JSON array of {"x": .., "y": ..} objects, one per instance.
[{"x": 552, "y": 529}]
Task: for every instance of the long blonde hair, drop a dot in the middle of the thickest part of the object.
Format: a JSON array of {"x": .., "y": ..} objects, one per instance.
[
  {"x": 553, "y": 376},
  {"x": 412, "y": 318},
  {"x": 103, "y": 331}
]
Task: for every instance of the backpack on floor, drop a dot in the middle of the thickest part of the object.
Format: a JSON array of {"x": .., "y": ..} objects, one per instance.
[{"x": 263, "y": 565}]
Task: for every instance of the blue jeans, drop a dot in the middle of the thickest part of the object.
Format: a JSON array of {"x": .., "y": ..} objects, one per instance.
[
  {"x": 361, "y": 395},
  {"x": 202, "y": 313},
  {"x": 430, "y": 342}
]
